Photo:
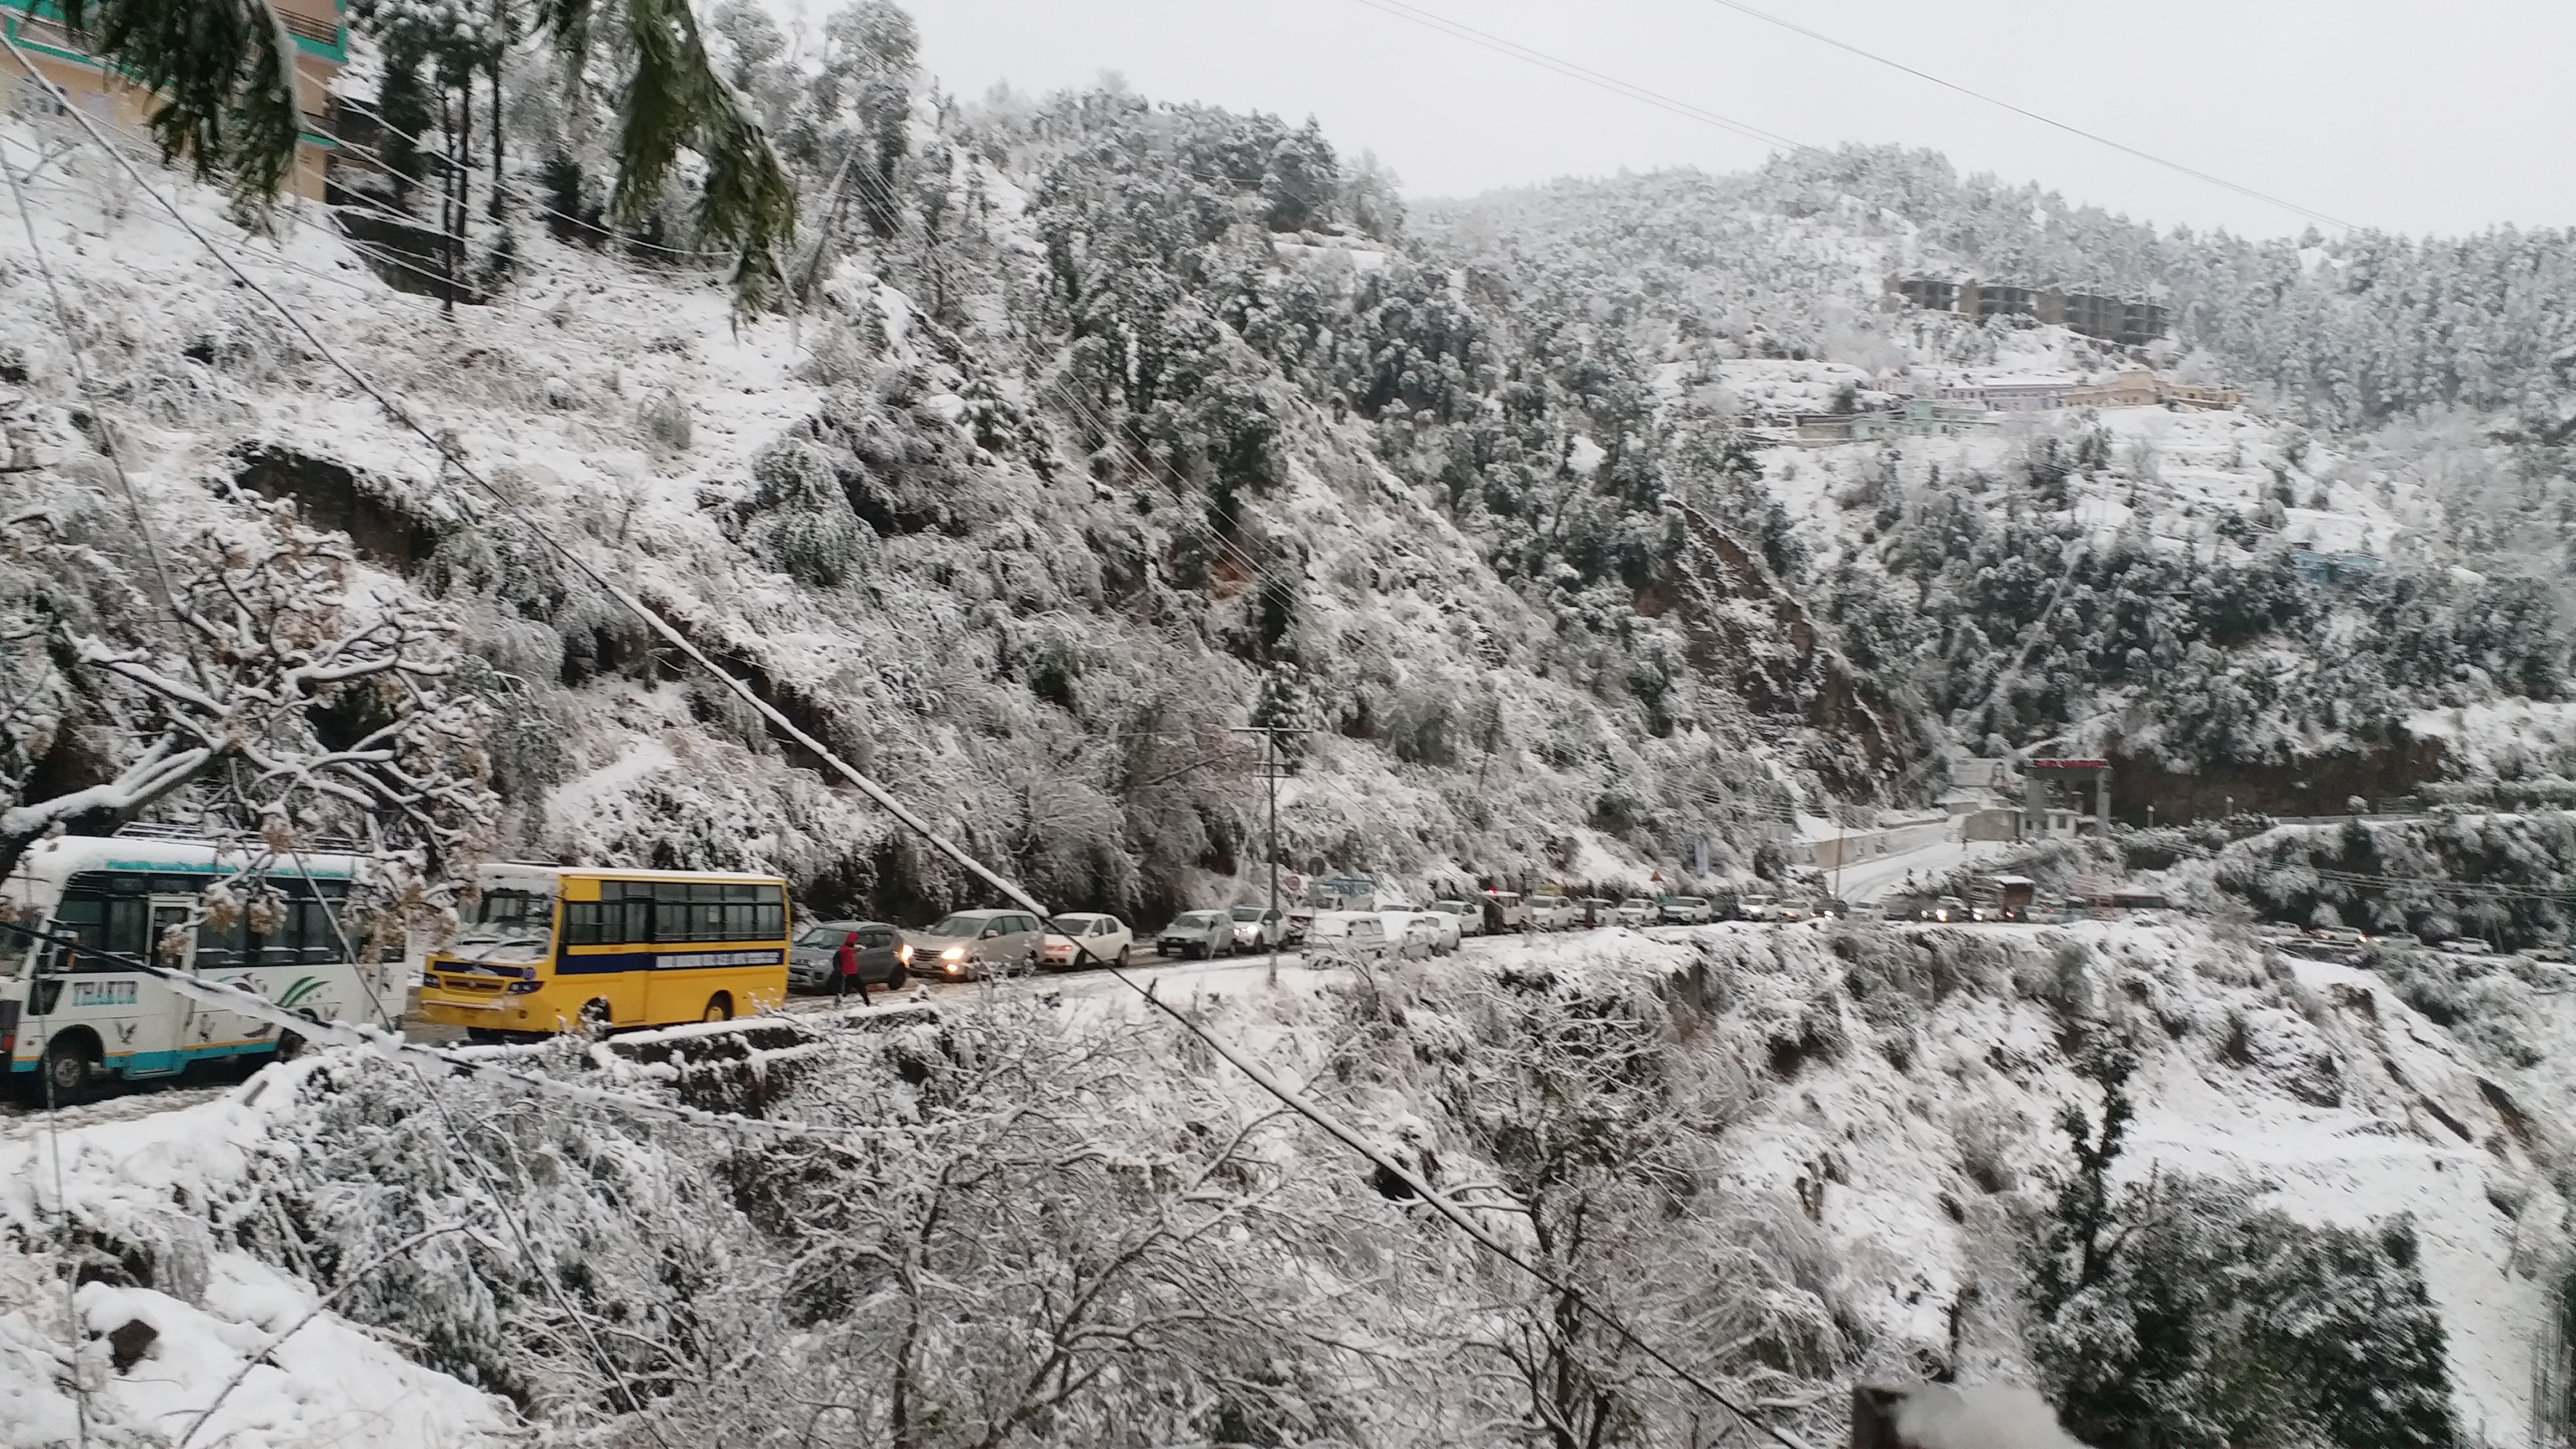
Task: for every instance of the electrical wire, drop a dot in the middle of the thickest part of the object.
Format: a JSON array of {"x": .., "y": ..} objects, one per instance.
[
  {"x": 2096, "y": 138},
  {"x": 1588, "y": 76},
  {"x": 1314, "y": 1112}
]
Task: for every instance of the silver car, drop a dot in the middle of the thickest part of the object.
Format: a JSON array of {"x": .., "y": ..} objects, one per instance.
[
  {"x": 1197, "y": 933},
  {"x": 970, "y": 945}
]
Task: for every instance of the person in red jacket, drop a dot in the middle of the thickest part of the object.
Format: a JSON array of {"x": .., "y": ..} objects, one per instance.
[{"x": 845, "y": 963}]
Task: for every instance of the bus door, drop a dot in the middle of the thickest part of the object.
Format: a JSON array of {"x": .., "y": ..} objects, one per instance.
[{"x": 163, "y": 1018}]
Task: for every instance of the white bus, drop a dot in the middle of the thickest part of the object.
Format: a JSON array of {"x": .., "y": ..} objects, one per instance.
[{"x": 74, "y": 1006}]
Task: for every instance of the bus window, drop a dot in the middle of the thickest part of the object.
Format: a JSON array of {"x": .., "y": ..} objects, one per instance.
[
  {"x": 221, "y": 947},
  {"x": 509, "y": 915},
  {"x": 313, "y": 933}
]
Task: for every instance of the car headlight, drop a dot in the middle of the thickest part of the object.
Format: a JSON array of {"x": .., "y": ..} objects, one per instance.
[
  {"x": 903, "y": 953},
  {"x": 953, "y": 953}
]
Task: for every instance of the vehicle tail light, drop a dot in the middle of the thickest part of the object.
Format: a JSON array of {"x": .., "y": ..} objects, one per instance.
[{"x": 8, "y": 1029}]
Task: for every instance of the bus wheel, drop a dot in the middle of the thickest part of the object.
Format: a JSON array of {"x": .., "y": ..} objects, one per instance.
[
  {"x": 68, "y": 1063},
  {"x": 719, "y": 1008},
  {"x": 291, "y": 1044},
  {"x": 594, "y": 1017}
]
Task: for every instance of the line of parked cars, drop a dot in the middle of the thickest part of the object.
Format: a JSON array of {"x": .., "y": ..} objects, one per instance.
[
  {"x": 971, "y": 945},
  {"x": 2353, "y": 938},
  {"x": 960, "y": 946}
]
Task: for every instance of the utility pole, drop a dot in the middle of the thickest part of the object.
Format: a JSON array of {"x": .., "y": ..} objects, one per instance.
[{"x": 1270, "y": 772}]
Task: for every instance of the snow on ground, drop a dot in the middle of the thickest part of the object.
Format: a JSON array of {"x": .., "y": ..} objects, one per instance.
[
  {"x": 2337, "y": 1101},
  {"x": 2312, "y": 1083},
  {"x": 230, "y": 1334},
  {"x": 2540, "y": 731},
  {"x": 1867, "y": 880}
]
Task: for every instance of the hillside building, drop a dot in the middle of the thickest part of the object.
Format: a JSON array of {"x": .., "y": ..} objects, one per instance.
[
  {"x": 2053, "y": 799},
  {"x": 2131, "y": 387},
  {"x": 2128, "y": 322},
  {"x": 1916, "y": 417},
  {"x": 74, "y": 77}
]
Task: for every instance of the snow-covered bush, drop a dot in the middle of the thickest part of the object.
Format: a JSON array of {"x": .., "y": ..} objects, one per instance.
[{"x": 2181, "y": 1312}]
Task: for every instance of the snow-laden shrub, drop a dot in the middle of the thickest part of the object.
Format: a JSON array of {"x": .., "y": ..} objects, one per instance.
[
  {"x": 2479, "y": 999},
  {"x": 667, "y": 423},
  {"x": 2179, "y": 1312},
  {"x": 2062, "y": 978},
  {"x": 799, "y": 521}
]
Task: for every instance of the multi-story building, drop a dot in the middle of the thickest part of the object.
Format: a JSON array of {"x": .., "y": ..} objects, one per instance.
[
  {"x": 2140, "y": 323},
  {"x": 2091, "y": 315},
  {"x": 2183, "y": 394},
  {"x": 2104, "y": 318},
  {"x": 1931, "y": 294},
  {"x": 74, "y": 77},
  {"x": 1999, "y": 299},
  {"x": 1916, "y": 417}
]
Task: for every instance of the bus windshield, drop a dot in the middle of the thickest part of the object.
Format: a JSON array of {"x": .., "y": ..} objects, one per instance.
[{"x": 506, "y": 915}]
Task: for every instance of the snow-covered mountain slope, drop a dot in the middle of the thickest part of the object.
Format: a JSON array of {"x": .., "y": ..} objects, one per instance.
[
  {"x": 1087, "y": 460},
  {"x": 2247, "y": 604},
  {"x": 851, "y": 508},
  {"x": 1851, "y": 1128}
]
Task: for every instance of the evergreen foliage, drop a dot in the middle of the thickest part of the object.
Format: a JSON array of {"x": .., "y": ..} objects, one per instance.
[
  {"x": 224, "y": 73},
  {"x": 670, "y": 100},
  {"x": 2178, "y": 1314}
]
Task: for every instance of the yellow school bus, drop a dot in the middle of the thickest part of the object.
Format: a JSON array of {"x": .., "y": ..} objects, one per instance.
[{"x": 550, "y": 949}]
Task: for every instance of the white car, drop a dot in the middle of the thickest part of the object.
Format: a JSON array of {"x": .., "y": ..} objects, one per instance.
[
  {"x": 1442, "y": 927},
  {"x": 2466, "y": 946},
  {"x": 1352, "y": 933},
  {"x": 1688, "y": 910},
  {"x": 2342, "y": 936},
  {"x": 1637, "y": 911},
  {"x": 1258, "y": 930},
  {"x": 1469, "y": 916},
  {"x": 1553, "y": 913},
  {"x": 1411, "y": 934},
  {"x": 1757, "y": 908},
  {"x": 1104, "y": 941}
]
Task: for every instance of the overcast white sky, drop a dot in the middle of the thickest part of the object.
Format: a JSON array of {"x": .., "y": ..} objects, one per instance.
[{"x": 2404, "y": 114}]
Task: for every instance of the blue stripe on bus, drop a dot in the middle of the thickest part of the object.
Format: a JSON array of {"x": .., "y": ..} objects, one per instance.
[
  {"x": 612, "y": 963},
  {"x": 147, "y": 1063}
]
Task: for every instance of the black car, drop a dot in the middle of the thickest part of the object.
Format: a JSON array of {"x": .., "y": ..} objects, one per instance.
[{"x": 811, "y": 959}]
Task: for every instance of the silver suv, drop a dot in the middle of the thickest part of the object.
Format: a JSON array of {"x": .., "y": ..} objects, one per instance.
[{"x": 970, "y": 945}]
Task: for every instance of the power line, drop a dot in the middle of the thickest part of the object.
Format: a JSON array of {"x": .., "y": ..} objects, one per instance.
[
  {"x": 1588, "y": 76},
  {"x": 2095, "y": 137}
]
